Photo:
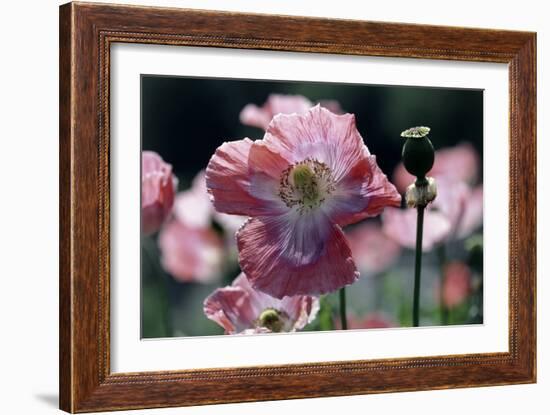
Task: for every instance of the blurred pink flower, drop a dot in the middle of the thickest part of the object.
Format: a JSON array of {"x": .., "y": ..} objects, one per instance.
[
  {"x": 374, "y": 320},
  {"x": 239, "y": 308},
  {"x": 400, "y": 225},
  {"x": 281, "y": 104},
  {"x": 194, "y": 208},
  {"x": 310, "y": 175},
  {"x": 158, "y": 186},
  {"x": 190, "y": 254},
  {"x": 456, "y": 283},
  {"x": 460, "y": 163},
  {"x": 472, "y": 217},
  {"x": 276, "y": 104},
  {"x": 373, "y": 251},
  {"x": 461, "y": 205},
  {"x": 332, "y": 105}
]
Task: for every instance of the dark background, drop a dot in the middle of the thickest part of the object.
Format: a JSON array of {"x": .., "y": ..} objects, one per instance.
[{"x": 186, "y": 119}]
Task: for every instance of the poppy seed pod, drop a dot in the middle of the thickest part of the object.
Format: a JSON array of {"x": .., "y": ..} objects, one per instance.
[{"x": 418, "y": 152}]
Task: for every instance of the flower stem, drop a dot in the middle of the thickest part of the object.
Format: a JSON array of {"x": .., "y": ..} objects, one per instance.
[
  {"x": 418, "y": 264},
  {"x": 343, "y": 317}
]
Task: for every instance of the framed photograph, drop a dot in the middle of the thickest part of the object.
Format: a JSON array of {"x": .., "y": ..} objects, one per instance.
[{"x": 258, "y": 207}]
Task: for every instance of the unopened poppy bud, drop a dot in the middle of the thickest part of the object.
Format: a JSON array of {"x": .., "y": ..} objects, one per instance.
[
  {"x": 418, "y": 152},
  {"x": 420, "y": 194}
]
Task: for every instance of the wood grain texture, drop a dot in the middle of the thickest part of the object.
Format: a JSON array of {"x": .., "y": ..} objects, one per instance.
[
  {"x": 65, "y": 245},
  {"x": 86, "y": 33}
]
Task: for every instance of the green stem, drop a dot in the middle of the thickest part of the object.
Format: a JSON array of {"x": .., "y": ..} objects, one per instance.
[
  {"x": 343, "y": 317},
  {"x": 418, "y": 265}
]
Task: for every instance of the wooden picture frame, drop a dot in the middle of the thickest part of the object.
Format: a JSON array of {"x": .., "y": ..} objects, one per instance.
[{"x": 86, "y": 33}]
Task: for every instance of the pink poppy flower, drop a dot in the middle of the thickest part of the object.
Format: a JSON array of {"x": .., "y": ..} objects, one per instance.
[
  {"x": 240, "y": 308},
  {"x": 281, "y": 104},
  {"x": 373, "y": 251},
  {"x": 191, "y": 254},
  {"x": 400, "y": 225},
  {"x": 456, "y": 283},
  {"x": 374, "y": 320},
  {"x": 158, "y": 186},
  {"x": 461, "y": 163},
  {"x": 310, "y": 175}
]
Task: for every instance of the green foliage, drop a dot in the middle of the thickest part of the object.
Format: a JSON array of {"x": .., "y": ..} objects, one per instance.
[{"x": 324, "y": 320}]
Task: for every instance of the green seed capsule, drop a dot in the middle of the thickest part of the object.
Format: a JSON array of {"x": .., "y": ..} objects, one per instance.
[{"x": 418, "y": 152}]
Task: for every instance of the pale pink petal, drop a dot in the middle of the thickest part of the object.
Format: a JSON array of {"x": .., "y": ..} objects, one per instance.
[
  {"x": 283, "y": 256},
  {"x": 158, "y": 186},
  {"x": 373, "y": 251},
  {"x": 230, "y": 308},
  {"x": 236, "y": 187},
  {"x": 288, "y": 104},
  {"x": 255, "y": 116},
  {"x": 459, "y": 163},
  {"x": 451, "y": 199},
  {"x": 364, "y": 192},
  {"x": 400, "y": 225},
  {"x": 302, "y": 309},
  {"x": 456, "y": 283},
  {"x": 276, "y": 104},
  {"x": 227, "y": 178},
  {"x": 193, "y": 208},
  {"x": 266, "y": 168},
  {"x": 318, "y": 134},
  {"x": 462, "y": 205},
  {"x": 332, "y": 105},
  {"x": 472, "y": 217},
  {"x": 258, "y": 301},
  {"x": 190, "y": 253}
]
